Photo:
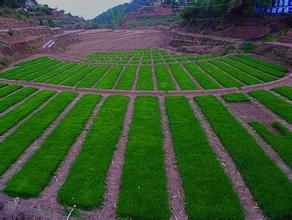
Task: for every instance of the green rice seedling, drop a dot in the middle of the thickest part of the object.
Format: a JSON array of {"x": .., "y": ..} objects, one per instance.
[
  {"x": 14, "y": 116},
  {"x": 36, "y": 173},
  {"x": 268, "y": 184},
  {"x": 276, "y": 104},
  {"x": 85, "y": 184},
  {"x": 208, "y": 191},
  {"x": 127, "y": 79},
  {"x": 285, "y": 91},
  {"x": 14, "y": 145},
  {"x": 236, "y": 97},
  {"x": 93, "y": 77},
  {"x": 143, "y": 191},
  {"x": 219, "y": 75},
  {"x": 164, "y": 81},
  {"x": 145, "y": 79},
  {"x": 15, "y": 98},
  {"x": 5, "y": 91},
  {"x": 203, "y": 79},
  {"x": 181, "y": 77},
  {"x": 109, "y": 80}
]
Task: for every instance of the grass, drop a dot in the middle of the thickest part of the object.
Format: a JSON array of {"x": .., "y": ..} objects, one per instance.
[
  {"x": 236, "y": 73},
  {"x": 78, "y": 76},
  {"x": 85, "y": 185},
  {"x": 5, "y": 91},
  {"x": 127, "y": 79},
  {"x": 281, "y": 143},
  {"x": 15, "y": 98},
  {"x": 14, "y": 145},
  {"x": 164, "y": 81},
  {"x": 143, "y": 191},
  {"x": 110, "y": 78},
  {"x": 208, "y": 191},
  {"x": 236, "y": 97},
  {"x": 276, "y": 104},
  {"x": 145, "y": 79},
  {"x": 93, "y": 77},
  {"x": 14, "y": 116},
  {"x": 269, "y": 186},
  {"x": 219, "y": 75},
  {"x": 264, "y": 62},
  {"x": 36, "y": 173},
  {"x": 259, "y": 66},
  {"x": 285, "y": 91},
  {"x": 184, "y": 81},
  {"x": 254, "y": 72},
  {"x": 203, "y": 79}
]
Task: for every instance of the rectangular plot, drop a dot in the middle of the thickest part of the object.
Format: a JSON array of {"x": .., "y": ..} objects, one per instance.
[
  {"x": 264, "y": 62},
  {"x": 78, "y": 76},
  {"x": 38, "y": 170},
  {"x": 33, "y": 61},
  {"x": 259, "y": 66},
  {"x": 65, "y": 75},
  {"x": 181, "y": 77},
  {"x": 15, "y": 98},
  {"x": 145, "y": 79},
  {"x": 275, "y": 103},
  {"x": 14, "y": 145},
  {"x": 86, "y": 189},
  {"x": 219, "y": 75},
  {"x": 164, "y": 81},
  {"x": 208, "y": 191},
  {"x": 236, "y": 97},
  {"x": 93, "y": 77},
  {"x": 268, "y": 184},
  {"x": 127, "y": 79},
  {"x": 281, "y": 143},
  {"x": 236, "y": 73},
  {"x": 254, "y": 72},
  {"x": 109, "y": 80},
  {"x": 14, "y": 116},
  {"x": 56, "y": 72},
  {"x": 285, "y": 91},
  {"x": 2, "y": 85},
  {"x": 8, "y": 90},
  {"x": 202, "y": 77},
  {"x": 143, "y": 191}
]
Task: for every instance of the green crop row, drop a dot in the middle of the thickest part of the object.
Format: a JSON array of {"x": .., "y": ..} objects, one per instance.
[
  {"x": 263, "y": 67},
  {"x": 268, "y": 184},
  {"x": 274, "y": 103},
  {"x": 5, "y": 91},
  {"x": 85, "y": 184},
  {"x": 143, "y": 191},
  {"x": 285, "y": 91},
  {"x": 181, "y": 77},
  {"x": 208, "y": 191},
  {"x": 93, "y": 77},
  {"x": 145, "y": 79},
  {"x": 254, "y": 72},
  {"x": 164, "y": 81},
  {"x": 235, "y": 97},
  {"x": 14, "y": 145},
  {"x": 127, "y": 79},
  {"x": 36, "y": 173},
  {"x": 111, "y": 77},
  {"x": 281, "y": 143},
  {"x": 14, "y": 116},
  {"x": 236, "y": 73},
  {"x": 15, "y": 98},
  {"x": 78, "y": 76},
  {"x": 219, "y": 75},
  {"x": 203, "y": 79}
]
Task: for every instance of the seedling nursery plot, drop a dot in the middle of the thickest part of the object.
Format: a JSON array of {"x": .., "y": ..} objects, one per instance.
[{"x": 147, "y": 134}]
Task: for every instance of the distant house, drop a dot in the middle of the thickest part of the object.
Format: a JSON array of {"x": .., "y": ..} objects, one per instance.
[{"x": 274, "y": 7}]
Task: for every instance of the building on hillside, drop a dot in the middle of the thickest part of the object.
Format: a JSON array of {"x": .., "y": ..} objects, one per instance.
[{"x": 274, "y": 7}]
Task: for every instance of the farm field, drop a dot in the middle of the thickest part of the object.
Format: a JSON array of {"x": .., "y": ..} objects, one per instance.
[{"x": 146, "y": 134}]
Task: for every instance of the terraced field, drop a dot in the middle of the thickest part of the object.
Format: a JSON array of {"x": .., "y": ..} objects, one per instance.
[{"x": 146, "y": 134}]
